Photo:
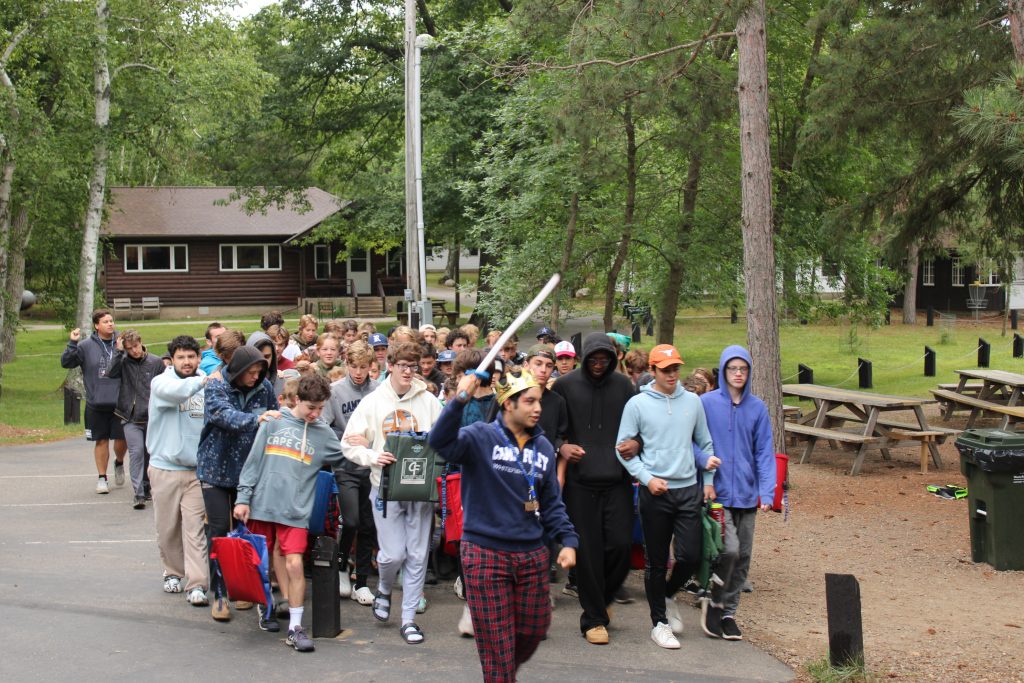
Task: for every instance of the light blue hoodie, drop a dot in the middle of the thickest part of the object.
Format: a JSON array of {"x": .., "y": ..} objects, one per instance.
[
  {"x": 668, "y": 426},
  {"x": 743, "y": 435},
  {"x": 175, "y": 420}
]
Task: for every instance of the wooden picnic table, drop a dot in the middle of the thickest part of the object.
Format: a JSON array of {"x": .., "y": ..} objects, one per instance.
[
  {"x": 865, "y": 408},
  {"x": 1000, "y": 393},
  {"x": 994, "y": 383}
]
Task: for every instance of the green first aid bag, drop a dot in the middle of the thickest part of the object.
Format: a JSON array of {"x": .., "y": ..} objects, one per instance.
[{"x": 413, "y": 475}]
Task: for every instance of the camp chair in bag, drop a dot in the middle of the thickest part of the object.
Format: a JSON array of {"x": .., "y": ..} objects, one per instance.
[
  {"x": 324, "y": 494},
  {"x": 450, "y": 492},
  {"x": 416, "y": 468},
  {"x": 712, "y": 546},
  {"x": 244, "y": 565},
  {"x": 637, "y": 558}
]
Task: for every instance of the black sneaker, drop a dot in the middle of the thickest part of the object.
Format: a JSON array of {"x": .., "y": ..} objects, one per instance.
[
  {"x": 298, "y": 639},
  {"x": 140, "y": 503},
  {"x": 748, "y": 587},
  {"x": 622, "y": 596},
  {"x": 268, "y": 622},
  {"x": 730, "y": 631},
  {"x": 693, "y": 588},
  {"x": 711, "y": 618},
  {"x": 570, "y": 590}
]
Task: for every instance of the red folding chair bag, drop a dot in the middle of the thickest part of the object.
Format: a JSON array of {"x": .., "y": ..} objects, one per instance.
[
  {"x": 240, "y": 566},
  {"x": 449, "y": 489}
]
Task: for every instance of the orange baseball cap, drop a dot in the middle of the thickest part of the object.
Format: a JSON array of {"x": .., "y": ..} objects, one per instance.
[{"x": 664, "y": 355}]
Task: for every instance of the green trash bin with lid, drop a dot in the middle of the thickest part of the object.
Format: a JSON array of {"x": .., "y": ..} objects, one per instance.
[{"x": 993, "y": 462}]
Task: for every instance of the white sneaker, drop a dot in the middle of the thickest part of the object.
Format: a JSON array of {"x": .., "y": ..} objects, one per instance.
[
  {"x": 344, "y": 584},
  {"x": 675, "y": 620},
  {"x": 364, "y": 596},
  {"x": 172, "y": 584},
  {"x": 119, "y": 474},
  {"x": 197, "y": 597},
  {"x": 460, "y": 590},
  {"x": 466, "y": 622},
  {"x": 663, "y": 636},
  {"x": 102, "y": 486}
]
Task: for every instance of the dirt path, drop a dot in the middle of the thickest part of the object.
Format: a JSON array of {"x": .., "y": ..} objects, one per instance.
[{"x": 929, "y": 612}]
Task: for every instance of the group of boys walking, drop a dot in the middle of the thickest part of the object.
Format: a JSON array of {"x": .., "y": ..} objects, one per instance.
[{"x": 549, "y": 471}]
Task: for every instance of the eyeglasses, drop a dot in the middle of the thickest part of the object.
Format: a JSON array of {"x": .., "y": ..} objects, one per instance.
[
  {"x": 405, "y": 367},
  {"x": 737, "y": 369},
  {"x": 598, "y": 360}
]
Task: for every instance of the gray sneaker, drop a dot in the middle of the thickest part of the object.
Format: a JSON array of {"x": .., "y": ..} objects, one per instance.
[
  {"x": 102, "y": 486},
  {"x": 119, "y": 474},
  {"x": 298, "y": 639}
]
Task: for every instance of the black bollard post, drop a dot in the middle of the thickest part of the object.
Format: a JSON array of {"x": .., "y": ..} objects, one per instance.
[
  {"x": 636, "y": 333},
  {"x": 805, "y": 375},
  {"x": 650, "y": 325},
  {"x": 326, "y": 600},
  {"x": 72, "y": 407},
  {"x": 984, "y": 353},
  {"x": 929, "y": 362},
  {"x": 888, "y": 316},
  {"x": 1018, "y": 346},
  {"x": 734, "y": 315},
  {"x": 931, "y": 316},
  {"x": 1013, "y": 319},
  {"x": 845, "y": 630},
  {"x": 864, "y": 372},
  {"x": 577, "y": 343}
]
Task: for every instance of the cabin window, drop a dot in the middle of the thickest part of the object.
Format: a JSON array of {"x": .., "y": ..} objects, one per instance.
[
  {"x": 958, "y": 272},
  {"x": 322, "y": 262},
  {"x": 250, "y": 257},
  {"x": 928, "y": 273},
  {"x": 155, "y": 258}
]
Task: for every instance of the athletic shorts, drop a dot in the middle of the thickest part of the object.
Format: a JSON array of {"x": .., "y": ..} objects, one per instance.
[
  {"x": 291, "y": 540},
  {"x": 101, "y": 424}
]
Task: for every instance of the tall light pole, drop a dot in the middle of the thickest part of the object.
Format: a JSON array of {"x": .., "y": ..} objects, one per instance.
[
  {"x": 412, "y": 262},
  {"x": 423, "y": 41}
]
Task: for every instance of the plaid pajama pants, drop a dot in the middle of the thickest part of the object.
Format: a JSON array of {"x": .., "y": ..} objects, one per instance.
[{"x": 511, "y": 608}]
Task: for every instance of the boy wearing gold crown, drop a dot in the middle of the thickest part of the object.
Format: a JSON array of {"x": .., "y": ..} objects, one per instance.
[{"x": 511, "y": 499}]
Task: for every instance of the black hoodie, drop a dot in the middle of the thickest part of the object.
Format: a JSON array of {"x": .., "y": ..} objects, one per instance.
[{"x": 595, "y": 408}]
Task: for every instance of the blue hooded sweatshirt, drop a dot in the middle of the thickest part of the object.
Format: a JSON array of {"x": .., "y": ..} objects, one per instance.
[
  {"x": 668, "y": 427},
  {"x": 742, "y": 433}
]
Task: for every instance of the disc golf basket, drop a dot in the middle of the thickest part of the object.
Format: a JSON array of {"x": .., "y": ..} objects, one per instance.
[{"x": 977, "y": 298}]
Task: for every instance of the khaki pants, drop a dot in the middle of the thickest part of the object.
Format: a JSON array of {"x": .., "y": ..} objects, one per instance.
[{"x": 179, "y": 513}]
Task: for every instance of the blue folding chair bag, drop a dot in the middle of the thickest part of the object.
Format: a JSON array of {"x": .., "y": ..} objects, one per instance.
[{"x": 326, "y": 487}]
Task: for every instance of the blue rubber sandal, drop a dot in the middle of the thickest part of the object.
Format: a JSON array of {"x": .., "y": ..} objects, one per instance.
[
  {"x": 412, "y": 634},
  {"x": 381, "y": 607}
]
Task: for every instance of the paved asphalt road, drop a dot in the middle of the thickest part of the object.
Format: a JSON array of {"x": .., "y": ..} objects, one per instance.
[{"x": 81, "y": 599}]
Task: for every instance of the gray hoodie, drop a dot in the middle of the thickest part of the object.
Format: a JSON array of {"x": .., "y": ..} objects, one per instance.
[
  {"x": 94, "y": 356},
  {"x": 278, "y": 480},
  {"x": 345, "y": 397}
]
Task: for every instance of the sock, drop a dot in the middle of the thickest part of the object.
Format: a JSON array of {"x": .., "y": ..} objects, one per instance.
[
  {"x": 103, "y": 476},
  {"x": 360, "y": 581},
  {"x": 294, "y": 618}
]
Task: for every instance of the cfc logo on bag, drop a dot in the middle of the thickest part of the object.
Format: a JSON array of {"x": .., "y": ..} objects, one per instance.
[{"x": 414, "y": 471}]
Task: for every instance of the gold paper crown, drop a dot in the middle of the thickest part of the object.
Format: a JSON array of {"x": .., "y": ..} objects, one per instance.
[{"x": 510, "y": 385}]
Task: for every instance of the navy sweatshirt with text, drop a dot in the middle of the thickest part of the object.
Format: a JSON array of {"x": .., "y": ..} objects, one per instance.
[{"x": 494, "y": 488}]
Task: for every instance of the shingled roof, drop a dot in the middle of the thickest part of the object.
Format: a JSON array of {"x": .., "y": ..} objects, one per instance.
[{"x": 194, "y": 211}]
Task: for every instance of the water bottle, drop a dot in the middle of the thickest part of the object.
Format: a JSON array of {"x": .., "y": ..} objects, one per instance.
[{"x": 717, "y": 513}]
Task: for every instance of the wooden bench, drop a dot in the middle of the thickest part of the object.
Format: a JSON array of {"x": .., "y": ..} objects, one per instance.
[
  {"x": 922, "y": 437},
  {"x": 438, "y": 310},
  {"x": 978, "y": 406},
  {"x": 969, "y": 388},
  {"x": 848, "y": 439},
  {"x": 150, "y": 303},
  {"x": 791, "y": 412},
  {"x": 123, "y": 307},
  {"x": 944, "y": 432}
]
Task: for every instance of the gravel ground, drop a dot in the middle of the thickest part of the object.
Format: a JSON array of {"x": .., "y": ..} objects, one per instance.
[{"x": 929, "y": 612}]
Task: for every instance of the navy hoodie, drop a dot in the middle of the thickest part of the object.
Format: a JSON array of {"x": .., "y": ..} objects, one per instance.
[
  {"x": 494, "y": 488},
  {"x": 742, "y": 434}
]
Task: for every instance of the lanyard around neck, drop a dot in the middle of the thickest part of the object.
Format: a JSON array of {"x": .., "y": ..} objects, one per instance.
[{"x": 530, "y": 476}]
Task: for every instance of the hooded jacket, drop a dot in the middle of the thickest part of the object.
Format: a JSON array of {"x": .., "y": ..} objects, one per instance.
[
  {"x": 94, "y": 356},
  {"x": 278, "y": 480},
  {"x": 742, "y": 434},
  {"x": 668, "y": 426},
  {"x": 595, "y": 408},
  {"x": 383, "y": 412},
  {"x": 346, "y": 396},
  {"x": 232, "y": 417},
  {"x": 135, "y": 375},
  {"x": 494, "y": 487},
  {"x": 175, "y": 420}
]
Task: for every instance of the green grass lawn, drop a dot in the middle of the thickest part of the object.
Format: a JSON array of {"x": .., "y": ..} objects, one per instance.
[{"x": 31, "y": 406}]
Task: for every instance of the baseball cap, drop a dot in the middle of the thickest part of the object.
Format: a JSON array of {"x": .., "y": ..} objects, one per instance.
[
  {"x": 565, "y": 349},
  {"x": 428, "y": 326},
  {"x": 546, "y": 332},
  {"x": 664, "y": 355},
  {"x": 378, "y": 339},
  {"x": 541, "y": 350},
  {"x": 446, "y": 356}
]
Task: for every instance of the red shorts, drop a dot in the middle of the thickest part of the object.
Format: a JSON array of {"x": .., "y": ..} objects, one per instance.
[{"x": 291, "y": 540}]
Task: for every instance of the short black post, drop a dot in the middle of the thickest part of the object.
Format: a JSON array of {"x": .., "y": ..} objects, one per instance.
[
  {"x": 636, "y": 333},
  {"x": 929, "y": 361},
  {"x": 1013, "y": 318},
  {"x": 864, "y": 373},
  {"x": 326, "y": 599},
  {"x": 931, "y": 316},
  {"x": 1018, "y": 346},
  {"x": 72, "y": 407},
  {"x": 734, "y": 315},
  {"x": 845, "y": 630},
  {"x": 577, "y": 343},
  {"x": 984, "y": 353},
  {"x": 650, "y": 325},
  {"x": 888, "y": 316},
  {"x": 805, "y": 375}
]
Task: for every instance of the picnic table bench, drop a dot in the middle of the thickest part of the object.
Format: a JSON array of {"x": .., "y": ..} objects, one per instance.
[
  {"x": 978, "y": 406},
  {"x": 865, "y": 408}
]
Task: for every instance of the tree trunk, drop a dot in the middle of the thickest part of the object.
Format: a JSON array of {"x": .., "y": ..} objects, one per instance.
[
  {"x": 756, "y": 198},
  {"x": 14, "y": 283},
  {"x": 1016, "y": 13},
  {"x": 487, "y": 261},
  {"x": 451, "y": 266},
  {"x": 676, "y": 269},
  {"x": 627, "y": 222},
  {"x": 6, "y": 186},
  {"x": 563, "y": 265},
  {"x": 98, "y": 181},
  {"x": 910, "y": 289}
]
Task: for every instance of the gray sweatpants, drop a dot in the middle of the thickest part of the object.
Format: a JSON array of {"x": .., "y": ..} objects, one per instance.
[
  {"x": 403, "y": 539},
  {"x": 735, "y": 559},
  {"x": 138, "y": 457}
]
